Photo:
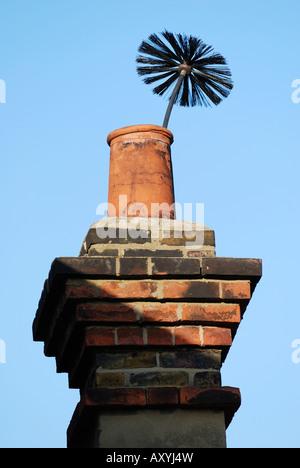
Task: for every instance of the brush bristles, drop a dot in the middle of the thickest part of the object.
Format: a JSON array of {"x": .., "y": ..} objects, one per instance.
[{"x": 210, "y": 78}]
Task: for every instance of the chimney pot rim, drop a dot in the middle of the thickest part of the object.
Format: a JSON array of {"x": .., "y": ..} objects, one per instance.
[{"x": 138, "y": 129}]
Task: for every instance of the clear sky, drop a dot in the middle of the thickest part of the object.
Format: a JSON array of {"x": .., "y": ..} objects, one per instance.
[{"x": 68, "y": 75}]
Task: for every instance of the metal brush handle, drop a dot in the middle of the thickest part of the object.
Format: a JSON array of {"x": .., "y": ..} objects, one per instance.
[{"x": 174, "y": 94}]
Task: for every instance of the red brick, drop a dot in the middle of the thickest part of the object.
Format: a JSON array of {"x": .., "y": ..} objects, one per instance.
[
  {"x": 81, "y": 291},
  {"x": 210, "y": 313},
  {"x": 116, "y": 397},
  {"x": 187, "y": 336},
  {"x": 213, "y": 336},
  {"x": 199, "y": 289},
  {"x": 160, "y": 336},
  {"x": 63, "y": 267},
  {"x": 236, "y": 290},
  {"x": 210, "y": 397},
  {"x": 175, "y": 266},
  {"x": 133, "y": 266},
  {"x": 130, "y": 336},
  {"x": 99, "y": 337},
  {"x": 101, "y": 312},
  {"x": 238, "y": 267},
  {"x": 128, "y": 289},
  {"x": 163, "y": 396},
  {"x": 153, "y": 312}
]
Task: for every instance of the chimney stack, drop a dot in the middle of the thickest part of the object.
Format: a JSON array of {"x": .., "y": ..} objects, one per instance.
[{"x": 144, "y": 318}]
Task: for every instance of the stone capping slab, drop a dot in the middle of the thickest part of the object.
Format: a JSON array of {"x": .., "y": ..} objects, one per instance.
[
  {"x": 153, "y": 233},
  {"x": 227, "y": 399}
]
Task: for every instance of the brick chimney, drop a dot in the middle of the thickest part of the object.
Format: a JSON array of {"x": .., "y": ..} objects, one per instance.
[{"x": 143, "y": 319}]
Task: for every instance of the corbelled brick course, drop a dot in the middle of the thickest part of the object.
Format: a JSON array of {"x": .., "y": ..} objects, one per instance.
[{"x": 156, "y": 290}]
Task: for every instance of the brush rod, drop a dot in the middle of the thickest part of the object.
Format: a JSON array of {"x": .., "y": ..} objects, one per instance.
[{"x": 174, "y": 94}]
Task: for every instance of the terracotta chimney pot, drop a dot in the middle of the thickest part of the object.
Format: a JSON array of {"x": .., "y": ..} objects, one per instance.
[{"x": 140, "y": 175}]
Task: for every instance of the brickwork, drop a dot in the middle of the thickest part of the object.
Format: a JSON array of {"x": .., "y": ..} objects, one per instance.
[
  {"x": 148, "y": 332},
  {"x": 150, "y": 238}
]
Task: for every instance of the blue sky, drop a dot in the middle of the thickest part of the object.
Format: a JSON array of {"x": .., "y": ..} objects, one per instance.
[{"x": 70, "y": 75}]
